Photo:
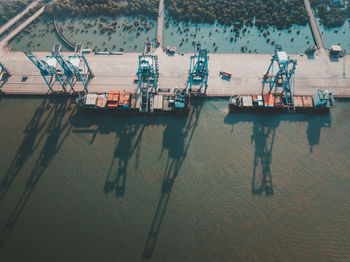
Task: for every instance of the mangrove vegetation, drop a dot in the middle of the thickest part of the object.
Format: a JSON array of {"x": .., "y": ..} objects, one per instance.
[
  {"x": 113, "y": 8},
  {"x": 331, "y": 16},
  {"x": 262, "y": 13},
  {"x": 10, "y": 8}
]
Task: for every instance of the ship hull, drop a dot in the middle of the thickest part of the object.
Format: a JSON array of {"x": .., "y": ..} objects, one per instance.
[{"x": 239, "y": 109}]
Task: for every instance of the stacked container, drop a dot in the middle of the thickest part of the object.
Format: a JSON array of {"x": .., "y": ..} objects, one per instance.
[
  {"x": 158, "y": 102},
  {"x": 113, "y": 99}
]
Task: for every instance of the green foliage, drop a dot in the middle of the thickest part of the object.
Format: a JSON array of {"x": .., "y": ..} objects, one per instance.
[
  {"x": 10, "y": 8},
  {"x": 104, "y": 7},
  {"x": 262, "y": 13},
  {"x": 331, "y": 16}
]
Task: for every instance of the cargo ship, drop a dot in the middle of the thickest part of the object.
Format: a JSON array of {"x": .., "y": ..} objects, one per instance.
[
  {"x": 117, "y": 101},
  {"x": 272, "y": 102}
]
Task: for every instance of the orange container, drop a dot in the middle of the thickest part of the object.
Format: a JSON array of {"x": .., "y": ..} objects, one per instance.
[
  {"x": 121, "y": 100},
  {"x": 112, "y": 105},
  {"x": 268, "y": 100},
  {"x": 113, "y": 96}
]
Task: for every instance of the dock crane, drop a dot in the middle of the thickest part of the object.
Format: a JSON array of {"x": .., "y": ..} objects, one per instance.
[
  {"x": 198, "y": 73},
  {"x": 3, "y": 71},
  {"x": 197, "y": 78},
  {"x": 47, "y": 69},
  {"x": 147, "y": 80},
  {"x": 284, "y": 77},
  {"x": 72, "y": 67}
]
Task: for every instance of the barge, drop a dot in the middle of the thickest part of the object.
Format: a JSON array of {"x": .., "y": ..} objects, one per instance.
[
  {"x": 272, "y": 102},
  {"x": 116, "y": 101}
]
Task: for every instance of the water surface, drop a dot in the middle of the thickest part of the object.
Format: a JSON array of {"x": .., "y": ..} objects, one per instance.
[
  {"x": 209, "y": 186},
  {"x": 222, "y": 39},
  {"x": 119, "y": 34},
  {"x": 337, "y": 36}
]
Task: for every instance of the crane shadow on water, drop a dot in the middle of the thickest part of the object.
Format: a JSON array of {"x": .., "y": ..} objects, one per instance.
[
  {"x": 265, "y": 127},
  {"x": 128, "y": 130},
  {"x": 50, "y": 122},
  {"x": 128, "y": 140},
  {"x": 177, "y": 138},
  {"x": 33, "y": 136}
]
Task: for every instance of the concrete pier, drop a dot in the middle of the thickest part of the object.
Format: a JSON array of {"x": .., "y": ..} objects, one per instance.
[
  {"x": 160, "y": 23},
  {"x": 60, "y": 34},
  {"x": 17, "y": 30},
  {"x": 315, "y": 29},
  {"x": 119, "y": 72},
  {"x": 15, "y": 19}
]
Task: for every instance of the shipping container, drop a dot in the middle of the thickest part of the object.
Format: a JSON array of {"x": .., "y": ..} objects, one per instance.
[
  {"x": 101, "y": 101},
  {"x": 91, "y": 99},
  {"x": 121, "y": 101},
  {"x": 278, "y": 101},
  {"x": 113, "y": 96},
  {"x": 158, "y": 102},
  {"x": 298, "y": 101},
  {"x": 247, "y": 101},
  {"x": 268, "y": 100},
  {"x": 307, "y": 100},
  {"x": 113, "y": 99},
  {"x": 134, "y": 99}
]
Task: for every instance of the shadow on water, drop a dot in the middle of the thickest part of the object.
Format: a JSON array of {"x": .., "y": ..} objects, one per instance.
[
  {"x": 127, "y": 141},
  {"x": 263, "y": 135},
  {"x": 33, "y": 136},
  {"x": 264, "y": 131},
  {"x": 128, "y": 131},
  {"x": 311, "y": 57},
  {"x": 177, "y": 138},
  {"x": 27, "y": 147},
  {"x": 50, "y": 120},
  {"x": 333, "y": 58}
]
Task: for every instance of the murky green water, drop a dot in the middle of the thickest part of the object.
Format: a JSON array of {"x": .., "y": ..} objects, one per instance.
[
  {"x": 210, "y": 186},
  {"x": 126, "y": 34},
  {"x": 222, "y": 39},
  {"x": 129, "y": 34},
  {"x": 40, "y": 35},
  {"x": 337, "y": 36}
]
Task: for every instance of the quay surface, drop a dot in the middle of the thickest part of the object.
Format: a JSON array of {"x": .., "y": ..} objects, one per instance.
[{"x": 119, "y": 72}]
